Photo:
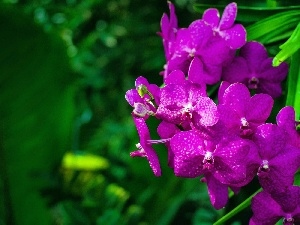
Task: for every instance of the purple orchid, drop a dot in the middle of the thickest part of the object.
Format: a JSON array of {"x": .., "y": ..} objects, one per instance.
[
  {"x": 184, "y": 102},
  {"x": 286, "y": 121},
  {"x": 141, "y": 98},
  {"x": 234, "y": 35},
  {"x": 169, "y": 27},
  {"x": 144, "y": 147},
  {"x": 268, "y": 209},
  {"x": 198, "y": 41},
  {"x": 240, "y": 112},
  {"x": 278, "y": 161},
  {"x": 216, "y": 155},
  {"x": 254, "y": 68}
]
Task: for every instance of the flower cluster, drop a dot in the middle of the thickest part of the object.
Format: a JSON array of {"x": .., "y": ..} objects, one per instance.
[{"x": 229, "y": 143}]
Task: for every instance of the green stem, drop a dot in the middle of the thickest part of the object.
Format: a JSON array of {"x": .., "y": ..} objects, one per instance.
[{"x": 237, "y": 209}]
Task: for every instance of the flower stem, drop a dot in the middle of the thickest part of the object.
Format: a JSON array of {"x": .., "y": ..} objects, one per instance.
[{"x": 237, "y": 209}]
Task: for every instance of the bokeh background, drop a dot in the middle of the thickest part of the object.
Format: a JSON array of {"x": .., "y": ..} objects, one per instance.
[{"x": 65, "y": 127}]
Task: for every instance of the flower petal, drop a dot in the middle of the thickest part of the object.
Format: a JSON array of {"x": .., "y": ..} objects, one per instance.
[
  {"x": 259, "y": 108},
  {"x": 228, "y": 16},
  {"x": 266, "y": 211},
  {"x": 271, "y": 141},
  {"x": 230, "y": 162},
  {"x": 133, "y": 96},
  {"x": 200, "y": 33},
  {"x": 286, "y": 118},
  {"x": 188, "y": 149},
  {"x": 223, "y": 86},
  {"x": 144, "y": 135},
  {"x": 237, "y": 96},
  {"x": 206, "y": 112},
  {"x": 237, "y": 71},
  {"x": 282, "y": 171},
  {"x": 235, "y": 37},
  {"x": 212, "y": 17},
  {"x": 273, "y": 74},
  {"x": 218, "y": 192},
  {"x": 195, "y": 73},
  {"x": 175, "y": 77},
  {"x": 254, "y": 53}
]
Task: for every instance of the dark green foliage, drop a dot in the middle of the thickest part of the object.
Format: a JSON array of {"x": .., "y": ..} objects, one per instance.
[
  {"x": 36, "y": 115},
  {"x": 89, "y": 52}
]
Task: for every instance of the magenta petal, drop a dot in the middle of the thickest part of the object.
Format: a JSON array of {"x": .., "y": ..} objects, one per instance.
[
  {"x": 235, "y": 190},
  {"x": 141, "y": 81},
  {"x": 167, "y": 130},
  {"x": 272, "y": 89},
  {"x": 230, "y": 162},
  {"x": 150, "y": 153},
  {"x": 195, "y": 73},
  {"x": 173, "y": 95},
  {"x": 212, "y": 17},
  {"x": 228, "y": 16},
  {"x": 195, "y": 91},
  {"x": 254, "y": 53},
  {"x": 289, "y": 199},
  {"x": 188, "y": 149},
  {"x": 218, "y": 192},
  {"x": 259, "y": 108},
  {"x": 175, "y": 77},
  {"x": 282, "y": 170},
  {"x": 270, "y": 139},
  {"x": 236, "y": 96},
  {"x": 172, "y": 115},
  {"x": 266, "y": 211},
  {"x": 133, "y": 96},
  {"x": 273, "y": 74},
  {"x": 212, "y": 73},
  {"x": 173, "y": 17},
  {"x": 164, "y": 25},
  {"x": 207, "y": 114},
  {"x": 215, "y": 45},
  {"x": 223, "y": 86},
  {"x": 286, "y": 118},
  {"x": 200, "y": 33},
  {"x": 179, "y": 61},
  {"x": 183, "y": 41},
  {"x": 235, "y": 37},
  {"x": 237, "y": 71},
  {"x": 230, "y": 117}
]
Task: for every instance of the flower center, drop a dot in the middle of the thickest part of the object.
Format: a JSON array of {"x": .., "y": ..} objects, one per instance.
[
  {"x": 288, "y": 220},
  {"x": 187, "y": 110},
  {"x": 191, "y": 52},
  {"x": 264, "y": 167},
  {"x": 253, "y": 83},
  {"x": 141, "y": 109},
  {"x": 245, "y": 130},
  {"x": 208, "y": 160}
]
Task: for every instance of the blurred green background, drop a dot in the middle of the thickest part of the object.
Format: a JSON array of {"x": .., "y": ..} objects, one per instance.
[{"x": 66, "y": 130}]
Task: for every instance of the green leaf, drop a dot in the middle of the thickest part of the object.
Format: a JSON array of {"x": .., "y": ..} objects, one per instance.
[
  {"x": 273, "y": 26},
  {"x": 289, "y": 47},
  {"x": 293, "y": 84},
  {"x": 36, "y": 114}
]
